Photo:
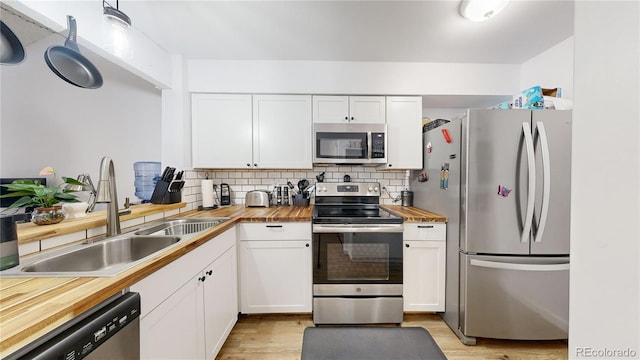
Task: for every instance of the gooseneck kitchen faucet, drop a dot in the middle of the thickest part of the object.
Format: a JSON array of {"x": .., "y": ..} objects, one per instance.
[{"x": 107, "y": 193}]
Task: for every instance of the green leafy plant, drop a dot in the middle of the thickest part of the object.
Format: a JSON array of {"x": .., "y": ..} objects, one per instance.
[{"x": 33, "y": 193}]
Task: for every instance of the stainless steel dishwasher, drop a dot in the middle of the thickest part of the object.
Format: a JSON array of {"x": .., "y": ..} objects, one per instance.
[{"x": 111, "y": 330}]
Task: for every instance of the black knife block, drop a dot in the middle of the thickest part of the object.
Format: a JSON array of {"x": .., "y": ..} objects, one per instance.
[{"x": 162, "y": 195}]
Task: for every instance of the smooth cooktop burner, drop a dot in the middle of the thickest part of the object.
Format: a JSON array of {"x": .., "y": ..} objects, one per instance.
[
  {"x": 350, "y": 203},
  {"x": 353, "y": 214}
]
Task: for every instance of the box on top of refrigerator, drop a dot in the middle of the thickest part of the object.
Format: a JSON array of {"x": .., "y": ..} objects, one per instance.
[{"x": 530, "y": 99}]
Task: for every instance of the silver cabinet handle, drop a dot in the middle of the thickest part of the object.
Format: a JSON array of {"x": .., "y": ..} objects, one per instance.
[
  {"x": 546, "y": 180},
  {"x": 520, "y": 267},
  {"x": 531, "y": 163}
]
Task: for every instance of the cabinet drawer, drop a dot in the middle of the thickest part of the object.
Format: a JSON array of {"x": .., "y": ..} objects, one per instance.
[
  {"x": 275, "y": 231},
  {"x": 425, "y": 231}
]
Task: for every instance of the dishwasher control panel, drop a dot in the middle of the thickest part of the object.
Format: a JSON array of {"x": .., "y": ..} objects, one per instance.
[{"x": 82, "y": 336}]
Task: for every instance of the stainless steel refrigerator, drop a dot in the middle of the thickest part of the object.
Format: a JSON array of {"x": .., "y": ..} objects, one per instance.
[{"x": 502, "y": 178}]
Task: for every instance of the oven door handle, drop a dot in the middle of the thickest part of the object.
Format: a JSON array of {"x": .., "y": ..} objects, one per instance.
[{"x": 351, "y": 228}]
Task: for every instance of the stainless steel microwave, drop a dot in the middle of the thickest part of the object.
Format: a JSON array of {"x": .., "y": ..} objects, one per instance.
[{"x": 350, "y": 144}]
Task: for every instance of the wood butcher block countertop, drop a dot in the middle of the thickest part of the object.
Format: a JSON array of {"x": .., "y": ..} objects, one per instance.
[{"x": 31, "y": 307}]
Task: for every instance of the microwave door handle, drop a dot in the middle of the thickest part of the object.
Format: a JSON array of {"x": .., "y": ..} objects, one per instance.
[{"x": 368, "y": 145}]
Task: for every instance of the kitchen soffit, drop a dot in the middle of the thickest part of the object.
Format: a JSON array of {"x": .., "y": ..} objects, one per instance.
[{"x": 394, "y": 31}]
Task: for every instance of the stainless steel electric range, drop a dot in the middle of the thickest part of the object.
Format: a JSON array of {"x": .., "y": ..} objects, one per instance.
[{"x": 357, "y": 256}]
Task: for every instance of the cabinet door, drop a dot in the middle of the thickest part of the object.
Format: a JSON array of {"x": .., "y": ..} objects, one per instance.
[
  {"x": 367, "y": 109},
  {"x": 221, "y": 130},
  {"x": 275, "y": 276},
  {"x": 220, "y": 301},
  {"x": 424, "y": 275},
  {"x": 282, "y": 132},
  {"x": 169, "y": 331},
  {"x": 404, "y": 132},
  {"x": 331, "y": 109}
]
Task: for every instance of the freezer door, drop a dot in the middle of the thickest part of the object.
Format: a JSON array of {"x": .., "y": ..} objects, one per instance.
[
  {"x": 495, "y": 182},
  {"x": 518, "y": 298},
  {"x": 552, "y": 139}
]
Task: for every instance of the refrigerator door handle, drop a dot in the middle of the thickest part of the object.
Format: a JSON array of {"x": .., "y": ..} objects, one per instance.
[
  {"x": 519, "y": 267},
  {"x": 546, "y": 180},
  {"x": 531, "y": 163}
]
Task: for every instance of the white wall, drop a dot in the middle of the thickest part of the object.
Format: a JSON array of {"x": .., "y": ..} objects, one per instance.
[
  {"x": 605, "y": 255},
  {"x": 176, "y": 119},
  {"x": 551, "y": 69},
  {"x": 45, "y": 121},
  {"x": 333, "y": 77}
]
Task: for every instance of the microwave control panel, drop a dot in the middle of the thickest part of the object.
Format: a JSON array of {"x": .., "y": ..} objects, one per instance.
[{"x": 377, "y": 145}]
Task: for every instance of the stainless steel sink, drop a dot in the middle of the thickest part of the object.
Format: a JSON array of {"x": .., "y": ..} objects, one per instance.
[
  {"x": 181, "y": 226},
  {"x": 103, "y": 254},
  {"x": 112, "y": 255}
]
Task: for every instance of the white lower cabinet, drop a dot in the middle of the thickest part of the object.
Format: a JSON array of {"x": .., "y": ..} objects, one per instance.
[
  {"x": 424, "y": 266},
  {"x": 275, "y": 267},
  {"x": 190, "y": 306}
]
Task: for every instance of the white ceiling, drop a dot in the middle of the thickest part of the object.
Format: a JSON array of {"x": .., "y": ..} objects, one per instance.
[{"x": 396, "y": 31}]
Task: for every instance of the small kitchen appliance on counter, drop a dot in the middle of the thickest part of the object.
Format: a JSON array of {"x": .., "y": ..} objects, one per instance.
[
  {"x": 257, "y": 198},
  {"x": 225, "y": 195},
  {"x": 8, "y": 242}
]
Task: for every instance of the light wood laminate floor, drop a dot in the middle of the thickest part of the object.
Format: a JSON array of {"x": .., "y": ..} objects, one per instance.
[{"x": 272, "y": 337}]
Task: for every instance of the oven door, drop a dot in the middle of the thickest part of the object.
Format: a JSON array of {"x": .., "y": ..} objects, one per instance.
[{"x": 368, "y": 256}]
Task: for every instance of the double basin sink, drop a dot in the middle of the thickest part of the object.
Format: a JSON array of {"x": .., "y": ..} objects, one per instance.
[{"x": 112, "y": 255}]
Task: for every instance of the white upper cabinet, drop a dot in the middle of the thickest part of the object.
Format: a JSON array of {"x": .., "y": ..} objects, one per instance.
[
  {"x": 282, "y": 132},
  {"x": 231, "y": 131},
  {"x": 367, "y": 109},
  {"x": 221, "y": 127},
  {"x": 348, "y": 109},
  {"x": 404, "y": 132},
  {"x": 330, "y": 109}
]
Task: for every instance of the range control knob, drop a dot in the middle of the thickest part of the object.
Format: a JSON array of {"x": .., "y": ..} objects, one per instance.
[
  {"x": 370, "y": 189},
  {"x": 376, "y": 189}
]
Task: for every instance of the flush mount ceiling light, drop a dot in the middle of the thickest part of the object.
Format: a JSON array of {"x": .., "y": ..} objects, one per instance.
[
  {"x": 115, "y": 15},
  {"x": 481, "y": 10}
]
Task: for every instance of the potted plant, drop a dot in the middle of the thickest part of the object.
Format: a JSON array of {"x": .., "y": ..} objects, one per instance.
[{"x": 43, "y": 198}]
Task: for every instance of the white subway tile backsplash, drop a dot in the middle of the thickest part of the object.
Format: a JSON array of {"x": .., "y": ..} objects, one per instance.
[
  {"x": 171, "y": 212},
  {"x": 132, "y": 222},
  {"x": 101, "y": 230},
  {"x": 28, "y": 248},
  {"x": 242, "y": 181},
  {"x": 62, "y": 240},
  {"x": 153, "y": 217}
]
